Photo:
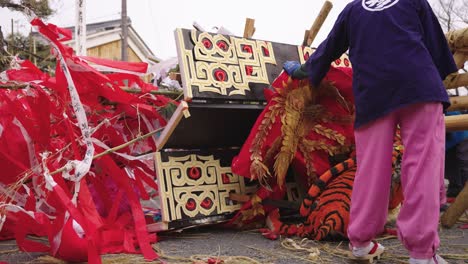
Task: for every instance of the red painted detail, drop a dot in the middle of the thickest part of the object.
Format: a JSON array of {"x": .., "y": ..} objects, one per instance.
[
  {"x": 266, "y": 52},
  {"x": 222, "y": 45},
  {"x": 194, "y": 173},
  {"x": 190, "y": 205},
  {"x": 337, "y": 61},
  {"x": 225, "y": 178},
  {"x": 247, "y": 48},
  {"x": 346, "y": 62},
  {"x": 248, "y": 70},
  {"x": 306, "y": 56},
  {"x": 220, "y": 75},
  {"x": 207, "y": 203},
  {"x": 207, "y": 43}
]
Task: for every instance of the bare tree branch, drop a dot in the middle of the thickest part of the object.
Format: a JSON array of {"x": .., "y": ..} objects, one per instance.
[
  {"x": 12, "y": 6},
  {"x": 40, "y": 8},
  {"x": 452, "y": 14}
]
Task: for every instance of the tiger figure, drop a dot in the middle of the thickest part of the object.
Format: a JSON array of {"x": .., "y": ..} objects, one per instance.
[{"x": 327, "y": 204}]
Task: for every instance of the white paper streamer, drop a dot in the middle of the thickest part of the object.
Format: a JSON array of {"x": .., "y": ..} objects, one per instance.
[
  {"x": 50, "y": 182},
  {"x": 33, "y": 162},
  {"x": 81, "y": 167}
]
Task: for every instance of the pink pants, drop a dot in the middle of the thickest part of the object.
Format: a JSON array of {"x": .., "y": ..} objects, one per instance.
[{"x": 423, "y": 134}]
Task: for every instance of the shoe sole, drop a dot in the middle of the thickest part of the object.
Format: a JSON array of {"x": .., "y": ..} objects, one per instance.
[{"x": 368, "y": 258}]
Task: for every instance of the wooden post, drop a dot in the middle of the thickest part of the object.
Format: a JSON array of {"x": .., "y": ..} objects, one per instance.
[
  {"x": 249, "y": 29},
  {"x": 124, "y": 47},
  {"x": 453, "y": 213},
  {"x": 327, "y": 6},
  {"x": 458, "y": 103},
  {"x": 456, "y": 123},
  {"x": 12, "y": 39},
  {"x": 306, "y": 35}
]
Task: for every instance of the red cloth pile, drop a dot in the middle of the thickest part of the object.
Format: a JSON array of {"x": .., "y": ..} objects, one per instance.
[{"x": 90, "y": 206}]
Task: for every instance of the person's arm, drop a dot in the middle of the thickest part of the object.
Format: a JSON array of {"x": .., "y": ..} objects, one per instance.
[
  {"x": 329, "y": 50},
  {"x": 435, "y": 41}
]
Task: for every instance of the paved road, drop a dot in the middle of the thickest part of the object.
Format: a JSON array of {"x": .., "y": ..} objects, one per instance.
[{"x": 213, "y": 241}]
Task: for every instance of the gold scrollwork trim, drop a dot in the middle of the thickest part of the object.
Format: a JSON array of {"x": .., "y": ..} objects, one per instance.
[
  {"x": 177, "y": 188},
  {"x": 240, "y": 66},
  {"x": 183, "y": 195}
]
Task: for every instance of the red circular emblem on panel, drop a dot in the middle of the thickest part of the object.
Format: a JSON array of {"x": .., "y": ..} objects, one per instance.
[
  {"x": 337, "y": 62},
  {"x": 190, "y": 205},
  {"x": 222, "y": 45},
  {"x": 220, "y": 75},
  {"x": 207, "y": 203},
  {"x": 207, "y": 43},
  {"x": 247, "y": 48},
  {"x": 194, "y": 173}
]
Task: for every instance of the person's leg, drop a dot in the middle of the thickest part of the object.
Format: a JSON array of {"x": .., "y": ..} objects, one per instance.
[
  {"x": 423, "y": 135},
  {"x": 371, "y": 190}
]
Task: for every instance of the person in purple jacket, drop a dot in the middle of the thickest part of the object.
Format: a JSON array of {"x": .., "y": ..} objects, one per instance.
[{"x": 400, "y": 57}]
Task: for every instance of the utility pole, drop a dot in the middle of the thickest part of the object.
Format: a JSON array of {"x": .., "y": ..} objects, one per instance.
[
  {"x": 124, "y": 45},
  {"x": 30, "y": 45},
  {"x": 12, "y": 38},
  {"x": 80, "y": 28}
]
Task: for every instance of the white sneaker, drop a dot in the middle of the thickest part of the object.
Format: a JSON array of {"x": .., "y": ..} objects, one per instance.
[
  {"x": 434, "y": 260},
  {"x": 373, "y": 250}
]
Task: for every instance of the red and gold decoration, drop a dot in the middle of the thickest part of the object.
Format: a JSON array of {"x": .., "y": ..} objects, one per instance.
[
  {"x": 312, "y": 130},
  {"x": 222, "y": 65},
  {"x": 299, "y": 126},
  {"x": 194, "y": 186}
]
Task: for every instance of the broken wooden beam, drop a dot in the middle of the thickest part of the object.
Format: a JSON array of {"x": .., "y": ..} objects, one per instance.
[
  {"x": 327, "y": 6},
  {"x": 455, "y": 210},
  {"x": 456, "y": 123},
  {"x": 458, "y": 103},
  {"x": 249, "y": 28}
]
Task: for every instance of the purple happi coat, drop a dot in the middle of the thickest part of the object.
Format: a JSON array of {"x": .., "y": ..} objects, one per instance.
[{"x": 399, "y": 54}]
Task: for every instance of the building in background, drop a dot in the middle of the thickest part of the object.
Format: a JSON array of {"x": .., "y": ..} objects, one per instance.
[{"x": 103, "y": 40}]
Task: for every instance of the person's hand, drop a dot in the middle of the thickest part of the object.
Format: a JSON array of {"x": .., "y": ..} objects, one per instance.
[{"x": 295, "y": 70}]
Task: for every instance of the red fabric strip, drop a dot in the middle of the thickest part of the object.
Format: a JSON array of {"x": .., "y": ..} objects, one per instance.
[
  {"x": 123, "y": 181},
  {"x": 140, "y": 67}
]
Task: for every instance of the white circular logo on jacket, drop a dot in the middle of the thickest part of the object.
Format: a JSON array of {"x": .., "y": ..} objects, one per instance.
[{"x": 378, "y": 5}]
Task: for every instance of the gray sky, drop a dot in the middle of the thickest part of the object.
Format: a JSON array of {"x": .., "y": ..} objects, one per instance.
[{"x": 155, "y": 20}]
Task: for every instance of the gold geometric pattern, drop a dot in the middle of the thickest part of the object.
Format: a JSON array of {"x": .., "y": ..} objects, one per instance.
[
  {"x": 238, "y": 61},
  {"x": 194, "y": 186}
]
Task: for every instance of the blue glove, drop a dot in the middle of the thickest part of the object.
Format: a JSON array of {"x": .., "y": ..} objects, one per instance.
[
  {"x": 291, "y": 66},
  {"x": 295, "y": 69}
]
